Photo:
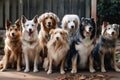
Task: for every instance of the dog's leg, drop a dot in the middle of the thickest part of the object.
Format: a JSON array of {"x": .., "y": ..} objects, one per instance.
[
  {"x": 26, "y": 63},
  {"x": 5, "y": 62},
  {"x": 18, "y": 62},
  {"x": 50, "y": 66},
  {"x": 62, "y": 66},
  {"x": 74, "y": 64},
  {"x": 46, "y": 63},
  {"x": 114, "y": 62},
  {"x": 36, "y": 63},
  {"x": 102, "y": 62},
  {"x": 91, "y": 68}
]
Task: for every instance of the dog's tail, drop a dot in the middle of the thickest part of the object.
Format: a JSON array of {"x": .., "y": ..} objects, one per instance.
[{"x": 45, "y": 64}]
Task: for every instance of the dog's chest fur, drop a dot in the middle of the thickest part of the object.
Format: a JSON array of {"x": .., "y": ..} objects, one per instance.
[{"x": 84, "y": 50}]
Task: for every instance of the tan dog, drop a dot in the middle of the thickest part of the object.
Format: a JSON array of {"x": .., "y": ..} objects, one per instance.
[
  {"x": 12, "y": 47},
  {"x": 47, "y": 21},
  {"x": 30, "y": 43},
  {"x": 58, "y": 47}
]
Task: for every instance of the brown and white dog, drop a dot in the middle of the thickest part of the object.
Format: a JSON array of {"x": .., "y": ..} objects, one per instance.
[
  {"x": 47, "y": 22},
  {"x": 58, "y": 47},
  {"x": 30, "y": 43},
  {"x": 12, "y": 47}
]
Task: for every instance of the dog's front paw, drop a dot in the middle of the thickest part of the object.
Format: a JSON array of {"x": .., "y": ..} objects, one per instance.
[
  {"x": 73, "y": 71},
  {"x": 92, "y": 70},
  {"x": 2, "y": 70},
  {"x": 49, "y": 71},
  {"x": 117, "y": 70},
  {"x": 26, "y": 70},
  {"x": 35, "y": 70},
  {"x": 62, "y": 72},
  {"x": 103, "y": 70},
  {"x": 18, "y": 69}
]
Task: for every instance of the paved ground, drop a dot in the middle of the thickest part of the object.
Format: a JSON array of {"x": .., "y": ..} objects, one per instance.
[{"x": 13, "y": 75}]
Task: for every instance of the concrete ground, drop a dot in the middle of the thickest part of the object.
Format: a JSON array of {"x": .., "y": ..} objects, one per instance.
[{"x": 13, "y": 75}]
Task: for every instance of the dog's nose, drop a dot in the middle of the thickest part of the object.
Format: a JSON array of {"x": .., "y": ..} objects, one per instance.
[
  {"x": 112, "y": 33},
  {"x": 30, "y": 30},
  {"x": 57, "y": 38},
  {"x": 13, "y": 34},
  {"x": 72, "y": 27},
  {"x": 49, "y": 23},
  {"x": 90, "y": 29}
]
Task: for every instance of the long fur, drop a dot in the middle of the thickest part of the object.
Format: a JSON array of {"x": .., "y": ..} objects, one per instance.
[
  {"x": 103, "y": 54},
  {"x": 58, "y": 47},
  {"x": 12, "y": 47},
  {"x": 81, "y": 45},
  {"x": 47, "y": 22},
  {"x": 30, "y": 43}
]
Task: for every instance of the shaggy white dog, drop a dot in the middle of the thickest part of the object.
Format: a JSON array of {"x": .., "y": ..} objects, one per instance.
[{"x": 70, "y": 22}]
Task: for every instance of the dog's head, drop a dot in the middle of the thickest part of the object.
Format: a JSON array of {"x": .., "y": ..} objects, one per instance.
[
  {"x": 13, "y": 31},
  {"x": 49, "y": 20},
  {"x": 29, "y": 25},
  {"x": 58, "y": 35},
  {"x": 70, "y": 23},
  {"x": 87, "y": 27},
  {"x": 110, "y": 31}
]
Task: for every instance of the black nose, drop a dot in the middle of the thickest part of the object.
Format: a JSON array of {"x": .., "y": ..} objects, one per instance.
[
  {"x": 57, "y": 38},
  {"x": 72, "y": 27},
  {"x": 90, "y": 29},
  {"x": 30, "y": 30},
  {"x": 112, "y": 33},
  {"x": 49, "y": 23},
  {"x": 13, "y": 34}
]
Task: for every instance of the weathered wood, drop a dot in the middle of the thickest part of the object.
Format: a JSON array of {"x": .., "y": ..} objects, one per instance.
[{"x": 1, "y": 14}]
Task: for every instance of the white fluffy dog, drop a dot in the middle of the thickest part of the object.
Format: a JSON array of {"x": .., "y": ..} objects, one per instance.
[
  {"x": 70, "y": 22},
  {"x": 30, "y": 43}
]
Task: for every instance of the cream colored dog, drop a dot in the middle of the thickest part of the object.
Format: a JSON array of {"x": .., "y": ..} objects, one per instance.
[{"x": 30, "y": 43}]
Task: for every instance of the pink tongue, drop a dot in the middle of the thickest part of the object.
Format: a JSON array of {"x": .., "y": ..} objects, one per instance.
[{"x": 30, "y": 33}]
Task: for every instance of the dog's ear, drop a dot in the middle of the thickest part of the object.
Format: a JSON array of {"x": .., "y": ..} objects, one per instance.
[
  {"x": 23, "y": 19},
  {"x": 82, "y": 18},
  {"x": 55, "y": 17},
  {"x": 18, "y": 23},
  {"x": 104, "y": 25},
  {"x": 35, "y": 19},
  {"x": 8, "y": 23}
]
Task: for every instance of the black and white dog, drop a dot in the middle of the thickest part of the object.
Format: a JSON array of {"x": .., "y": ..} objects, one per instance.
[{"x": 81, "y": 45}]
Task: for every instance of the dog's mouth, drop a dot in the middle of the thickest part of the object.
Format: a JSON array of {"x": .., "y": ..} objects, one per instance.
[{"x": 30, "y": 33}]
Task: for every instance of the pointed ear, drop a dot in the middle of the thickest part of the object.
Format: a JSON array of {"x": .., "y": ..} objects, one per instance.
[
  {"x": 35, "y": 19},
  {"x": 82, "y": 18},
  {"x": 18, "y": 23},
  {"x": 23, "y": 19},
  {"x": 104, "y": 26},
  {"x": 8, "y": 23}
]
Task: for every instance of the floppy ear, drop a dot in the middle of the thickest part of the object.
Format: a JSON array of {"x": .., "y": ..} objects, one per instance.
[
  {"x": 18, "y": 23},
  {"x": 41, "y": 17},
  {"x": 104, "y": 26},
  {"x": 8, "y": 23},
  {"x": 35, "y": 19},
  {"x": 23, "y": 19}
]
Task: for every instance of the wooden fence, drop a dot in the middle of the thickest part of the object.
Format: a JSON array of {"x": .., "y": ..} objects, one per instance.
[{"x": 13, "y": 9}]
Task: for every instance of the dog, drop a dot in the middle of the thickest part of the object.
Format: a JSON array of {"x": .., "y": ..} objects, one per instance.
[
  {"x": 30, "y": 43},
  {"x": 47, "y": 22},
  {"x": 58, "y": 47},
  {"x": 12, "y": 47},
  {"x": 103, "y": 54},
  {"x": 70, "y": 22},
  {"x": 81, "y": 45}
]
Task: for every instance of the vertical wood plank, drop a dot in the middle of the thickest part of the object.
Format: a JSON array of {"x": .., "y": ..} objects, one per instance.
[
  {"x": 1, "y": 14},
  {"x": 47, "y": 6},
  {"x": 88, "y": 7},
  {"x": 54, "y": 6},
  {"x": 13, "y": 10},
  {"x": 20, "y": 8},
  {"x": 40, "y": 6},
  {"x": 7, "y": 10},
  {"x": 93, "y": 9},
  {"x": 74, "y": 4}
]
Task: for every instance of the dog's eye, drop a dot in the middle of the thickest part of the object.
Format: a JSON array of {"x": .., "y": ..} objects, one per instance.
[
  {"x": 10, "y": 29},
  {"x": 68, "y": 21},
  {"x": 74, "y": 21},
  {"x": 61, "y": 33},
  {"x": 108, "y": 28},
  {"x": 27, "y": 25},
  {"x": 15, "y": 29},
  {"x": 50, "y": 17},
  {"x": 32, "y": 24}
]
